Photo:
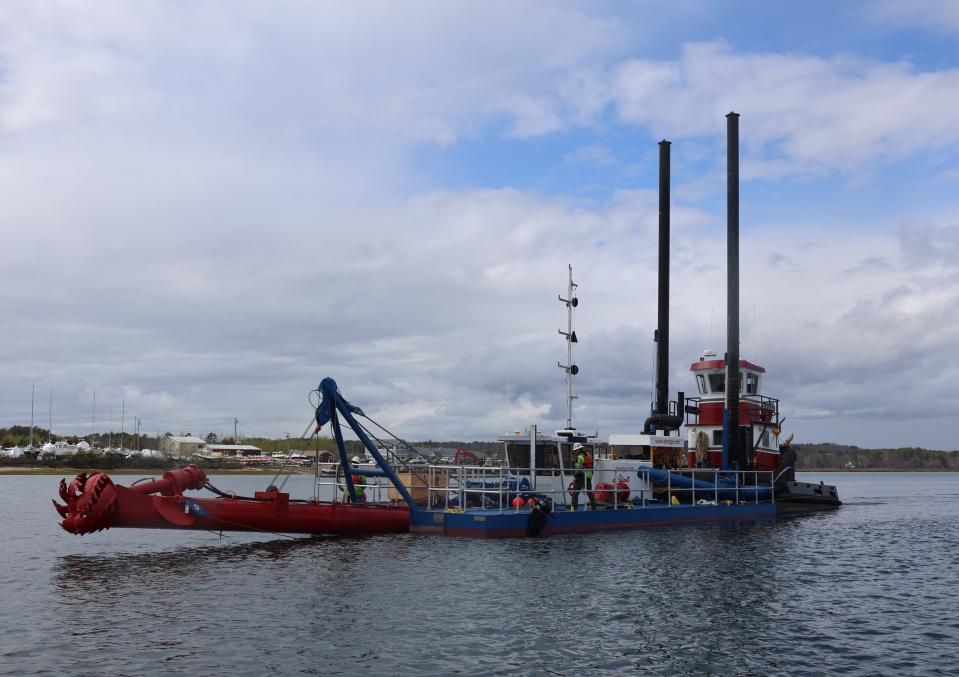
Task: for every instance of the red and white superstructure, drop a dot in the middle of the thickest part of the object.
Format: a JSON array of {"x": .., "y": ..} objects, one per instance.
[{"x": 758, "y": 415}]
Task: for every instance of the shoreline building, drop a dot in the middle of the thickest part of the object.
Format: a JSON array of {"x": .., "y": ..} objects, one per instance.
[
  {"x": 181, "y": 446},
  {"x": 227, "y": 450}
]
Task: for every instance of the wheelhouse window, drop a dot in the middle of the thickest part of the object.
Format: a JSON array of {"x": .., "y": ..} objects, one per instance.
[
  {"x": 631, "y": 451},
  {"x": 518, "y": 455},
  {"x": 701, "y": 381},
  {"x": 547, "y": 455},
  {"x": 752, "y": 383},
  {"x": 764, "y": 438},
  {"x": 717, "y": 438},
  {"x": 717, "y": 383}
]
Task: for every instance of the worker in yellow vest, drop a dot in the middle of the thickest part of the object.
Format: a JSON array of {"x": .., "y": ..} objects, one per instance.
[
  {"x": 583, "y": 477},
  {"x": 359, "y": 483}
]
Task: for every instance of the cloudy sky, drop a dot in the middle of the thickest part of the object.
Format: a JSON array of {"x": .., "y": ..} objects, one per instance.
[{"x": 210, "y": 206}]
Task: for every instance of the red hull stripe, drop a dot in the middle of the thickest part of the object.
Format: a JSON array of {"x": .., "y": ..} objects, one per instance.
[{"x": 136, "y": 510}]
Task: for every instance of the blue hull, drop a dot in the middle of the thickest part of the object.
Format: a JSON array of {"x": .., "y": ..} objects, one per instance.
[{"x": 513, "y": 524}]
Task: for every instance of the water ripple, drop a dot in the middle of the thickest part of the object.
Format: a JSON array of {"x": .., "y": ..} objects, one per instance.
[{"x": 864, "y": 590}]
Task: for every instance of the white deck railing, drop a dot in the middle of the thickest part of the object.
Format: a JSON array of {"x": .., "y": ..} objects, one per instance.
[{"x": 465, "y": 487}]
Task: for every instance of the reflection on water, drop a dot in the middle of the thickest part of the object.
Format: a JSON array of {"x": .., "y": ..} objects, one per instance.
[
  {"x": 866, "y": 589},
  {"x": 119, "y": 568}
]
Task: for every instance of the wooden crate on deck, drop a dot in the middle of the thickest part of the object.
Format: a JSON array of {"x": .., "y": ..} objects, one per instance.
[{"x": 415, "y": 483}]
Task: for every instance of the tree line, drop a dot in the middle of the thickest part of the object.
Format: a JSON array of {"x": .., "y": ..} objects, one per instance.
[
  {"x": 819, "y": 456},
  {"x": 847, "y": 457}
]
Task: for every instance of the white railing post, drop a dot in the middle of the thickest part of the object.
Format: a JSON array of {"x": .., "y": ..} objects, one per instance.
[
  {"x": 517, "y": 492},
  {"x": 501, "y": 488}
]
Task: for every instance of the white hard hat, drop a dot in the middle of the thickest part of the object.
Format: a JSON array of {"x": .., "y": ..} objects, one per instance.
[
  {"x": 355, "y": 459},
  {"x": 577, "y": 446}
]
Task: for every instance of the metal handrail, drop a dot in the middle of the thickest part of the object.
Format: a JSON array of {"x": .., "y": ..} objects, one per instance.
[
  {"x": 760, "y": 402},
  {"x": 739, "y": 488},
  {"x": 506, "y": 477},
  {"x": 501, "y": 482}
]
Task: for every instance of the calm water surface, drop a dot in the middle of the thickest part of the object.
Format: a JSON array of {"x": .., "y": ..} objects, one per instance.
[{"x": 868, "y": 589}]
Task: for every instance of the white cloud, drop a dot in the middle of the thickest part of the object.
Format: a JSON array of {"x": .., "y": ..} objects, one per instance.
[
  {"x": 938, "y": 15},
  {"x": 429, "y": 73},
  {"x": 209, "y": 207},
  {"x": 803, "y": 113},
  {"x": 427, "y": 312}
]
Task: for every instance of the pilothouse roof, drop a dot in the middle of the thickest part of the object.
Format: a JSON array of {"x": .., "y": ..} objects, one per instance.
[{"x": 710, "y": 361}]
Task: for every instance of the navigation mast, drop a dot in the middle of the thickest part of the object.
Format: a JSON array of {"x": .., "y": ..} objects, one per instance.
[{"x": 571, "y": 369}]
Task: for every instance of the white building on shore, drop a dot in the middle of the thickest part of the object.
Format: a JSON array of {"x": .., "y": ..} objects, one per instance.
[
  {"x": 179, "y": 447},
  {"x": 233, "y": 450}
]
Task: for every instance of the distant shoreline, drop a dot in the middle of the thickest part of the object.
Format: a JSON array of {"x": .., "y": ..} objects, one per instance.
[
  {"x": 284, "y": 470},
  {"x": 855, "y": 470}
]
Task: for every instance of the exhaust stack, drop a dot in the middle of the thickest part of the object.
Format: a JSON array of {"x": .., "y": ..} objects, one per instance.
[
  {"x": 732, "y": 451},
  {"x": 661, "y": 418},
  {"x": 662, "y": 322}
]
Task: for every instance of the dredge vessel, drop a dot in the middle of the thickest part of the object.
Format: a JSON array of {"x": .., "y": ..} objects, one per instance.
[{"x": 732, "y": 466}]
